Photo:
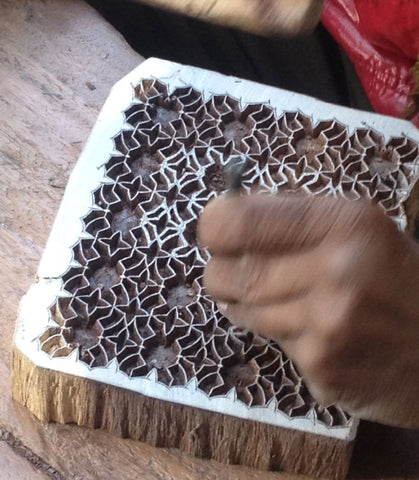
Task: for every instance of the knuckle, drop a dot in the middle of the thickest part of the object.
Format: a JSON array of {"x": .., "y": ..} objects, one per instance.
[
  {"x": 333, "y": 329},
  {"x": 352, "y": 267},
  {"x": 364, "y": 210},
  {"x": 249, "y": 218},
  {"x": 339, "y": 326},
  {"x": 250, "y": 278},
  {"x": 326, "y": 374},
  {"x": 314, "y": 360},
  {"x": 378, "y": 228},
  {"x": 339, "y": 261},
  {"x": 210, "y": 273},
  {"x": 233, "y": 313},
  {"x": 322, "y": 396},
  {"x": 326, "y": 389}
]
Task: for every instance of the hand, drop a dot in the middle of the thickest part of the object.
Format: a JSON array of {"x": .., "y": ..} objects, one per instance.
[{"x": 335, "y": 283}]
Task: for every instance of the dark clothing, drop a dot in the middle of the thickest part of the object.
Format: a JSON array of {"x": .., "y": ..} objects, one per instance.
[{"x": 314, "y": 65}]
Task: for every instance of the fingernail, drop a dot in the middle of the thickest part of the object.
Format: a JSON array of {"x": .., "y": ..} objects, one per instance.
[{"x": 222, "y": 307}]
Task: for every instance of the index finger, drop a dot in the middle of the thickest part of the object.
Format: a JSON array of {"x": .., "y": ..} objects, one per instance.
[{"x": 266, "y": 224}]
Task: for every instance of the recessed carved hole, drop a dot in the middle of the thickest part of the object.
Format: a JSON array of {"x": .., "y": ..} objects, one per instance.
[
  {"x": 85, "y": 337},
  {"x": 186, "y": 95},
  {"x": 51, "y": 332},
  {"x": 160, "y": 222},
  {"x": 214, "y": 178},
  {"x": 290, "y": 122},
  {"x": 161, "y": 356},
  {"x": 105, "y": 195},
  {"x": 53, "y": 343},
  {"x": 323, "y": 126},
  {"x": 194, "y": 105},
  {"x": 235, "y": 131},
  {"x": 118, "y": 172},
  {"x": 282, "y": 153},
  {"x": 130, "y": 361},
  {"x": 262, "y": 118},
  {"x": 191, "y": 342},
  {"x": 112, "y": 323},
  {"x": 188, "y": 142},
  {"x": 170, "y": 243},
  {"x": 299, "y": 167},
  {"x": 267, "y": 386},
  {"x": 239, "y": 376},
  {"x": 208, "y": 367},
  {"x": 136, "y": 114},
  {"x": 179, "y": 295},
  {"x": 208, "y": 129},
  {"x": 362, "y": 139},
  {"x": 276, "y": 174},
  {"x": 124, "y": 142},
  {"x": 190, "y": 232},
  {"x": 310, "y": 147},
  {"x": 338, "y": 416},
  {"x": 92, "y": 216},
  {"x": 163, "y": 114},
  {"x": 99, "y": 224},
  {"x": 323, "y": 415},
  {"x": 178, "y": 374},
  {"x": 81, "y": 308},
  {"x": 353, "y": 168},
  {"x": 408, "y": 152},
  {"x": 291, "y": 372},
  {"x": 99, "y": 355},
  {"x": 304, "y": 121},
  {"x": 257, "y": 347},
  {"x": 390, "y": 204},
  {"x": 125, "y": 220},
  {"x": 62, "y": 311},
  {"x": 104, "y": 278},
  {"x": 221, "y": 349},
  {"x": 269, "y": 360},
  {"x": 145, "y": 89},
  {"x": 113, "y": 248},
  {"x": 165, "y": 269},
  {"x": 286, "y": 402},
  {"x": 151, "y": 137},
  {"x": 143, "y": 164},
  {"x": 142, "y": 327},
  {"x": 301, "y": 409},
  {"x": 74, "y": 279},
  {"x": 150, "y": 300},
  {"x": 217, "y": 106},
  {"x": 257, "y": 394},
  {"x": 380, "y": 165},
  {"x": 190, "y": 185}
]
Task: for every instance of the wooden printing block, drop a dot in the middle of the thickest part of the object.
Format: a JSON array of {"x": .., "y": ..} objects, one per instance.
[{"x": 117, "y": 332}]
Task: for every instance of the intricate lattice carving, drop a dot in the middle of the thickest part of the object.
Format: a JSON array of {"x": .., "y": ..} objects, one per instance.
[{"x": 136, "y": 293}]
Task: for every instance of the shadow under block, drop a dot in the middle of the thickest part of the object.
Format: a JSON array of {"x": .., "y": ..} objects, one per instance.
[{"x": 117, "y": 332}]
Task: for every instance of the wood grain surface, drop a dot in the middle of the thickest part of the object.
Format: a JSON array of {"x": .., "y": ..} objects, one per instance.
[
  {"x": 58, "y": 60},
  {"x": 11, "y": 464}
]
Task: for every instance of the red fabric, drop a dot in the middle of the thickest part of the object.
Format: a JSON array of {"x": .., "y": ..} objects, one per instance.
[{"x": 381, "y": 37}]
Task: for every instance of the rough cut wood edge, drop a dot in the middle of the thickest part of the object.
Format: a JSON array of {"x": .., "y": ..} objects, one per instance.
[{"x": 224, "y": 438}]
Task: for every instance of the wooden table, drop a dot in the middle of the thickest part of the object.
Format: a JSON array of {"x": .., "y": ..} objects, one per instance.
[{"x": 58, "y": 60}]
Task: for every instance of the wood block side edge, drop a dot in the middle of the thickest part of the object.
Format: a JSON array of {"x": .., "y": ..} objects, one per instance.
[{"x": 57, "y": 397}]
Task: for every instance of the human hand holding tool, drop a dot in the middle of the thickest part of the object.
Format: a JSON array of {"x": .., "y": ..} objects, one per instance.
[{"x": 335, "y": 283}]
